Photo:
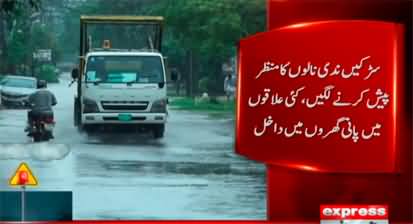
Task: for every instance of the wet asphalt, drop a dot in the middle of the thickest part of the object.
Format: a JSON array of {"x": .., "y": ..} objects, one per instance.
[{"x": 192, "y": 173}]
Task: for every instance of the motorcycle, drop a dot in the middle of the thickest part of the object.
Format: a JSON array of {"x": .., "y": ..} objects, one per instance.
[{"x": 42, "y": 125}]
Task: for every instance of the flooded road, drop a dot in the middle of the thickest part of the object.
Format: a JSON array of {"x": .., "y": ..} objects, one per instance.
[{"x": 192, "y": 173}]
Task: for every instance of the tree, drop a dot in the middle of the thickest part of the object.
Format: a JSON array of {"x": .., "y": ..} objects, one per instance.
[
  {"x": 70, "y": 38},
  {"x": 209, "y": 30},
  {"x": 12, "y": 6},
  {"x": 15, "y": 32},
  {"x": 198, "y": 35}
]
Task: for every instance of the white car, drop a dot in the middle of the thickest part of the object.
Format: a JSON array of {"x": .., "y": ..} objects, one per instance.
[{"x": 16, "y": 89}]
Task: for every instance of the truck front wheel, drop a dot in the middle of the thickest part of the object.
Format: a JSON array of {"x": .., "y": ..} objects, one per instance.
[
  {"x": 89, "y": 128},
  {"x": 158, "y": 131}
]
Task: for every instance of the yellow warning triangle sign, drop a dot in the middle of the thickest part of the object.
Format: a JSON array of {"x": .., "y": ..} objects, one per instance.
[{"x": 15, "y": 179}]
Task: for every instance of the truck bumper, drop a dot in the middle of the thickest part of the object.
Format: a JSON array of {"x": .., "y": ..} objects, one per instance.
[{"x": 114, "y": 118}]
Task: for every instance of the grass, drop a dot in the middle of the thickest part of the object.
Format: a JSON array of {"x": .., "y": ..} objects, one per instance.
[{"x": 218, "y": 106}]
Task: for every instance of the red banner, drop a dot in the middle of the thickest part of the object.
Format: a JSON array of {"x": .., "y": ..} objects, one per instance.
[{"x": 324, "y": 96}]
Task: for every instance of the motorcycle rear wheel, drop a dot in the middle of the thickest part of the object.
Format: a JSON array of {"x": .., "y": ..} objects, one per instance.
[{"x": 37, "y": 137}]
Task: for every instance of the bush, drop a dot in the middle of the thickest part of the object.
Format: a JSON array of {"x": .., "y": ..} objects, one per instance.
[
  {"x": 200, "y": 105},
  {"x": 48, "y": 73}
]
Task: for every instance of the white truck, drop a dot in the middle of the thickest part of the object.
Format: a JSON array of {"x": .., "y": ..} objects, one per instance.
[{"x": 121, "y": 87}]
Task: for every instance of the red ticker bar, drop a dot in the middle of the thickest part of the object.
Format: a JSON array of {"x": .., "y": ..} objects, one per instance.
[{"x": 177, "y": 221}]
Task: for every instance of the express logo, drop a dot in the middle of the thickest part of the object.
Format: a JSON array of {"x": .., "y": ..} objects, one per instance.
[{"x": 376, "y": 212}]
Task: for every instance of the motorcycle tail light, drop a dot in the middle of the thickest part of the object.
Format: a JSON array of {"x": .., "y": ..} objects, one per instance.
[{"x": 49, "y": 120}]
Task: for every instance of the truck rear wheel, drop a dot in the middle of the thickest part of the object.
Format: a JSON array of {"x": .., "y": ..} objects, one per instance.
[{"x": 158, "y": 131}]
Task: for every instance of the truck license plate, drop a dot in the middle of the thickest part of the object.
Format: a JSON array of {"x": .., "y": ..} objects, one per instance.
[{"x": 125, "y": 117}]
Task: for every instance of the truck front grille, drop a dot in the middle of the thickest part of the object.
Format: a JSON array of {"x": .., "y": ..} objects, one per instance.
[{"x": 124, "y": 105}]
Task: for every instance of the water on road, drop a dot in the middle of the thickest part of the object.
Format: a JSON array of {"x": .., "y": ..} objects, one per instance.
[{"x": 192, "y": 173}]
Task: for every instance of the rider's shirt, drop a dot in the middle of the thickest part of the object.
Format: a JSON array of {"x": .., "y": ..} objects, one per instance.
[{"x": 42, "y": 100}]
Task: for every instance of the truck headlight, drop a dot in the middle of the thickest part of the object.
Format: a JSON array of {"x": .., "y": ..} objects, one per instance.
[
  {"x": 159, "y": 106},
  {"x": 90, "y": 106}
]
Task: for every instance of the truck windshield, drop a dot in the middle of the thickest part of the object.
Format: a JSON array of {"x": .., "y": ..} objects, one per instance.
[{"x": 124, "y": 69}]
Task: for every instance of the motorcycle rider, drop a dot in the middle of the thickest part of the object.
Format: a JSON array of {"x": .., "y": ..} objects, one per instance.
[{"x": 40, "y": 101}]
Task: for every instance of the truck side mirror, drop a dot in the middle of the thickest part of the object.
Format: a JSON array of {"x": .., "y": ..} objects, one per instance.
[
  {"x": 75, "y": 73},
  {"x": 174, "y": 75}
]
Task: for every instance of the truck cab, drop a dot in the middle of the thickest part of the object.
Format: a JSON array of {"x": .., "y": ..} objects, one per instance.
[{"x": 120, "y": 87}]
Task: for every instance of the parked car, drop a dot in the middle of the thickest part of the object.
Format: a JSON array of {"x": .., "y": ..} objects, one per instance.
[{"x": 14, "y": 90}]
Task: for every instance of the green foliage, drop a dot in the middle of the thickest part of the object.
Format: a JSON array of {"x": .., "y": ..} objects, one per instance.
[
  {"x": 13, "y": 6},
  {"x": 207, "y": 106},
  {"x": 16, "y": 33},
  {"x": 17, "y": 51},
  {"x": 42, "y": 38},
  {"x": 209, "y": 30},
  {"x": 213, "y": 27},
  {"x": 69, "y": 40},
  {"x": 47, "y": 72},
  {"x": 23, "y": 35}
]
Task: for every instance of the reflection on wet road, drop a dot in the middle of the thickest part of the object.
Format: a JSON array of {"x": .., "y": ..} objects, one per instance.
[{"x": 192, "y": 173}]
